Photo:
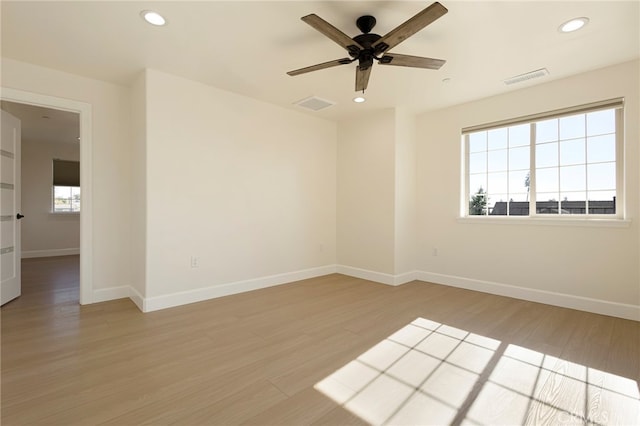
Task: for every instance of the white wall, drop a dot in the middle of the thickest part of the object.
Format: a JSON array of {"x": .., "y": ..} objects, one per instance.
[
  {"x": 44, "y": 233},
  {"x": 139, "y": 189},
  {"x": 366, "y": 193},
  {"x": 405, "y": 192},
  {"x": 246, "y": 187},
  {"x": 111, "y": 167},
  {"x": 588, "y": 262}
]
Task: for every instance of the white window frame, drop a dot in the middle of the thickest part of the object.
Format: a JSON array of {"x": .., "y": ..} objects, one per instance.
[{"x": 619, "y": 217}]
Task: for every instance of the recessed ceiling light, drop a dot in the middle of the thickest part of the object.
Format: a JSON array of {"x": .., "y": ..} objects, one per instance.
[
  {"x": 154, "y": 18},
  {"x": 573, "y": 25},
  {"x": 359, "y": 99}
]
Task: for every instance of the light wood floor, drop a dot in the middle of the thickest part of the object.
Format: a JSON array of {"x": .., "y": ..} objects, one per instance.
[{"x": 333, "y": 350}]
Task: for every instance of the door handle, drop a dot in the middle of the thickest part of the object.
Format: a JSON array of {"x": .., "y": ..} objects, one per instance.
[{"x": 19, "y": 216}]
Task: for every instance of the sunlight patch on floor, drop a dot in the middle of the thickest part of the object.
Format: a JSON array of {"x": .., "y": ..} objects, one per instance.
[{"x": 432, "y": 373}]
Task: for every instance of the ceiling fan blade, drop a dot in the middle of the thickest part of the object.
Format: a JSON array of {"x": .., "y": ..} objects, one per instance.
[
  {"x": 335, "y": 63},
  {"x": 410, "y": 27},
  {"x": 411, "y": 61},
  {"x": 333, "y": 33},
  {"x": 362, "y": 78}
]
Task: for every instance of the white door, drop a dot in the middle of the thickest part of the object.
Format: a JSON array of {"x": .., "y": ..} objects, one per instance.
[{"x": 10, "y": 208}]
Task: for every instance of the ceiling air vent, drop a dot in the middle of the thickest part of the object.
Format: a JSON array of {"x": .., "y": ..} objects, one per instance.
[
  {"x": 314, "y": 103},
  {"x": 527, "y": 76}
]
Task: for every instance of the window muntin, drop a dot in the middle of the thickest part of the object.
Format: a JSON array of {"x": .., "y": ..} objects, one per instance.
[{"x": 564, "y": 163}]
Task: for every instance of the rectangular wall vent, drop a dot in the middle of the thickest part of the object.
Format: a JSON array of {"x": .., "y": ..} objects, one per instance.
[
  {"x": 527, "y": 76},
  {"x": 314, "y": 103}
]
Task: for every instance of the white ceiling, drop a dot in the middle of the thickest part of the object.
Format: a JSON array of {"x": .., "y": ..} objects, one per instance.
[
  {"x": 247, "y": 47},
  {"x": 39, "y": 124}
]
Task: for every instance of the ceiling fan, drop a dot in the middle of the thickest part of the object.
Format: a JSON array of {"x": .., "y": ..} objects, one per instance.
[{"x": 367, "y": 47}]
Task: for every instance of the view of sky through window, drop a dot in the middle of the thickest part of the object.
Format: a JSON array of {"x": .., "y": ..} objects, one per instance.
[{"x": 573, "y": 170}]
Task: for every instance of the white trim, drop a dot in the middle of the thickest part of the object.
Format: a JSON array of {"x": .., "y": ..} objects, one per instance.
[
  {"x": 86, "y": 159},
  {"x": 378, "y": 277},
  {"x": 365, "y": 274},
  {"x": 586, "y": 304},
  {"x": 615, "y": 103},
  {"x": 137, "y": 299},
  {"x": 150, "y": 304},
  {"x": 548, "y": 221},
  {"x": 407, "y": 277},
  {"x": 111, "y": 293},
  {"x": 50, "y": 253},
  {"x": 604, "y": 307}
]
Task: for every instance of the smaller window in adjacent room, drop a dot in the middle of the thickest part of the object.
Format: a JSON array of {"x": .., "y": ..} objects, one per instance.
[
  {"x": 561, "y": 163},
  {"x": 66, "y": 186}
]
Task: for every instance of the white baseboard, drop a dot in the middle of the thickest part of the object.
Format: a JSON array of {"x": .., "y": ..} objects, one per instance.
[
  {"x": 112, "y": 293},
  {"x": 137, "y": 298},
  {"x": 49, "y": 253},
  {"x": 150, "y": 304},
  {"x": 365, "y": 274},
  {"x": 604, "y": 307},
  {"x": 379, "y": 277}
]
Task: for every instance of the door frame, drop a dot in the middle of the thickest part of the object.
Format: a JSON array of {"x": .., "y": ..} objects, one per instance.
[{"x": 86, "y": 201}]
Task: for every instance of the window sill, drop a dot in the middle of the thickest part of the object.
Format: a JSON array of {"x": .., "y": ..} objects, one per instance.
[
  {"x": 554, "y": 221},
  {"x": 65, "y": 213}
]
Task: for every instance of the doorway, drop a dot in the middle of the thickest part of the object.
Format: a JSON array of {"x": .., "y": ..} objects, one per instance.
[{"x": 83, "y": 111}]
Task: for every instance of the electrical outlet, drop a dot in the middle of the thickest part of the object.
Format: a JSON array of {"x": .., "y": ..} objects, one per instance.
[{"x": 195, "y": 262}]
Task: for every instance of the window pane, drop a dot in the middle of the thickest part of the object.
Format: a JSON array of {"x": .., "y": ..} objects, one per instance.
[
  {"x": 602, "y": 202},
  {"x": 601, "y": 122},
  {"x": 497, "y": 138},
  {"x": 519, "y": 207},
  {"x": 547, "y": 180},
  {"x": 550, "y": 204},
  {"x": 66, "y": 199},
  {"x": 519, "y": 135},
  {"x": 601, "y": 176},
  {"x": 568, "y": 206},
  {"x": 478, "y": 162},
  {"x": 477, "y": 183},
  {"x": 601, "y": 148},
  {"x": 478, "y": 142},
  {"x": 497, "y": 160},
  {"x": 497, "y": 183},
  {"x": 498, "y": 205},
  {"x": 547, "y": 155},
  {"x": 573, "y": 196},
  {"x": 478, "y": 203},
  {"x": 572, "y": 152},
  {"x": 573, "y": 178},
  {"x": 519, "y": 158},
  {"x": 572, "y": 127},
  {"x": 547, "y": 131},
  {"x": 573, "y": 202},
  {"x": 519, "y": 181}
]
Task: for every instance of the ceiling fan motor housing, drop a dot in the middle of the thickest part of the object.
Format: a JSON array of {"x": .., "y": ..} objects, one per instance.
[{"x": 365, "y": 56}]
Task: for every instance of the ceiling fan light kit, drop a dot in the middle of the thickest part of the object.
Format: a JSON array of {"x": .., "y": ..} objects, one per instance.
[{"x": 369, "y": 47}]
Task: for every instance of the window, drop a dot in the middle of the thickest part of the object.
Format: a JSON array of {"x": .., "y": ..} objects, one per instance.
[
  {"x": 66, "y": 186},
  {"x": 562, "y": 163}
]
